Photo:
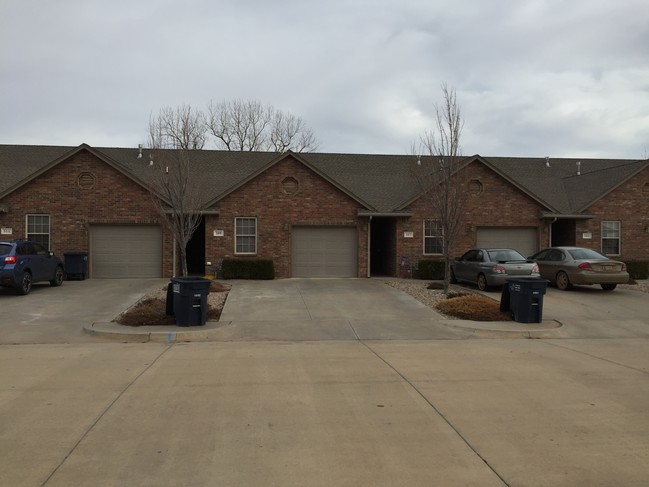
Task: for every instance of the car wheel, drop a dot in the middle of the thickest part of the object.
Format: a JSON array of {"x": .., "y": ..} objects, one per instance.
[
  {"x": 608, "y": 287},
  {"x": 58, "y": 277},
  {"x": 563, "y": 282},
  {"x": 453, "y": 278},
  {"x": 482, "y": 282},
  {"x": 25, "y": 284}
]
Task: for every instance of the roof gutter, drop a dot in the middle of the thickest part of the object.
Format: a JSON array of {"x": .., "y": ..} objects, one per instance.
[
  {"x": 560, "y": 216},
  {"x": 402, "y": 214},
  {"x": 170, "y": 211}
]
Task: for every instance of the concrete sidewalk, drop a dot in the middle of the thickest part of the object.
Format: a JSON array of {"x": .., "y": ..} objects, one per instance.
[{"x": 329, "y": 413}]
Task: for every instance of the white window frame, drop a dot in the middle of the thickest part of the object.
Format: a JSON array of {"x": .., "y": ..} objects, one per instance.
[
  {"x": 606, "y": 236},
  {"x": 30, "y": 234},
  {"x": 426, "y": 236},
  {"x": 247, "y": 235}
]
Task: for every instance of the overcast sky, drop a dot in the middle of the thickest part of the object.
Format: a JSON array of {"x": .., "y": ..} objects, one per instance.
[{"x": 533, "y": 77}]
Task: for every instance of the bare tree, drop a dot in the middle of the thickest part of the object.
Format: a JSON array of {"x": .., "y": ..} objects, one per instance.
[
  {"x": 250, "y": 126},
  {"x": 173, "y": 134},
  {"x": 290, "y": 132},
  {"x": 438, "y": 170},
  {"x": 179, "y": 128}
]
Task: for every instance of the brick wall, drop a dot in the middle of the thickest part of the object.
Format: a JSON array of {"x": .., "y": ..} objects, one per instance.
[
  {"x": 629, "y": 204},
  {"x": 316, "y": 202},
  {"x": 498, "y": 204},
  {"x": 107, "y": 196}
]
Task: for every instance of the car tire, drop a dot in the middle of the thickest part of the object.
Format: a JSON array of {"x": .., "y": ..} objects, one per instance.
[
  {"x": 563, "y": 281},
  {"x": 25, "y": 284},
  {"x": 58, "y": 277},
  {"x": 608, "y": 287},
  {"x": 482, "y": 282}
]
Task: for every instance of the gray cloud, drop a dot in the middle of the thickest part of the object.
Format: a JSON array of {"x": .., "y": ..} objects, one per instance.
[{"x": 541, "y": 77}]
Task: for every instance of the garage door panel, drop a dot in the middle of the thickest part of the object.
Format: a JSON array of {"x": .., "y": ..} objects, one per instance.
[
  {"x": 125, "y": 251},
  {"x": 525, "y": 240},
  {"x": 324, "y": 252}
]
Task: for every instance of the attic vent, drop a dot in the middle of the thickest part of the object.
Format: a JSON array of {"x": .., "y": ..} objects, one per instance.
[
  {"x": 86, "y": 180},
  {"x": 475, "y": 187},
  {"x": 289, "y": 185}
]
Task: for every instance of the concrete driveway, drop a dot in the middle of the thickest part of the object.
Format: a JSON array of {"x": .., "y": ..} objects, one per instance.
[
  {"x": 59, "y": 314},
  {"x": 367, "y": 309},
  {"x": 307, "y": 310},
  {"x": 590, "y": 312},
  {"x": 327, "y": 309}
]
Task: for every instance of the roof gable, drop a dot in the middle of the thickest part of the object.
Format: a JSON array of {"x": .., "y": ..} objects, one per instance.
[
  {"x": 566, "y": 186},
  {"x": 324, "y": 173},
  {"x": 22, "y": 164}
]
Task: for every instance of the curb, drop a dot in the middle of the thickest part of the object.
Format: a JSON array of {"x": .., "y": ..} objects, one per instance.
[
  {"x": 504, "y": 329},
  {"x": 156, "y": 334},
  {"x": 210, "y": 331}
]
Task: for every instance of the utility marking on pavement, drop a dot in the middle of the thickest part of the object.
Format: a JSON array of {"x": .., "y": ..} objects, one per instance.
[
  {"x": 85, "y": 434},
  {"x": 439, "y": 413}
]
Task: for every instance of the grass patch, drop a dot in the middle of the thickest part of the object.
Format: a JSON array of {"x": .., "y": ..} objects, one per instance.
[{"x": 473, "y": 307}]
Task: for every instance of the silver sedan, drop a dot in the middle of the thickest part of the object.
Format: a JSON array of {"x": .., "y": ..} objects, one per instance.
[
  {"x": 567, "y": 266},
  {"x": 491, "y": 267}
]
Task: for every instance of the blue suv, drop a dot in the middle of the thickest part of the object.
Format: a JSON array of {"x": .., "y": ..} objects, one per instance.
[{"x": 23, "y": 262}]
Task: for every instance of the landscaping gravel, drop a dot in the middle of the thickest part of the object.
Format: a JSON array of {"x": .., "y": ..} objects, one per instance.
[{"x": 418, "y": 289}]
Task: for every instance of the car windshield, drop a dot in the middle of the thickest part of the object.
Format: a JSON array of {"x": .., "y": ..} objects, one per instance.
[
  {"x": 5, "y": 249},
  {"x": 583, "y": 254},
  {"x": 503, "y": 255}
]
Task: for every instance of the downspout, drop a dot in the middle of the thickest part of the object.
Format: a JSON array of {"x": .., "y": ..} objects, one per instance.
[
  {"x": 369, "y": 245},
  {"x": 173, "y": 253}
]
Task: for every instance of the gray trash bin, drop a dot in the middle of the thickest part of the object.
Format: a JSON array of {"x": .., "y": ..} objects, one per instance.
[
  {"x": 523, "y": 298},
  {"x": 190, "y": 300}
]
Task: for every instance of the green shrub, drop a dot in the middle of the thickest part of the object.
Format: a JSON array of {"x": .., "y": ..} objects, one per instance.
[
  {"x": 430, "y": 269},
  {"x": 248, "y": 269},
  {"x": 637, "y": 269}
]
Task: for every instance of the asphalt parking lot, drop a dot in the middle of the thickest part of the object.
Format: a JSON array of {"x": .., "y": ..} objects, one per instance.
[{"x": 461, "y": 410}]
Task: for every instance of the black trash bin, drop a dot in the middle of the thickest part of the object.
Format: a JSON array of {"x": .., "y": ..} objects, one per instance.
[
  {"x": 523, "y": 298},
  {"x": 76, "y": 265},
  {"x": 190, "y": 300}
]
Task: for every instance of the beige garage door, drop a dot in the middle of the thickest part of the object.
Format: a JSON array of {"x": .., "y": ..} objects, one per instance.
[
  {"x": 522, "y": 239},
  {"x": 324, "y": 252},
  {"x": 125, "y": 251}
]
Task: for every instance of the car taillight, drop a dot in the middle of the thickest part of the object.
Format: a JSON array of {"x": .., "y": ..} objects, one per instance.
[
  {"x": 498, "y": 269},
  {"x": 10, "y": 259},
  {"x": 535, "y": 269},
  {"x": 585, "y": 266}
]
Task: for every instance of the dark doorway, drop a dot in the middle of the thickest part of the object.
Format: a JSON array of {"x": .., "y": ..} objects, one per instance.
[
  {"x": 563, "y": 232},
  {"x": 196, "y": 251},
  {"x": 383, "y": 247}
]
